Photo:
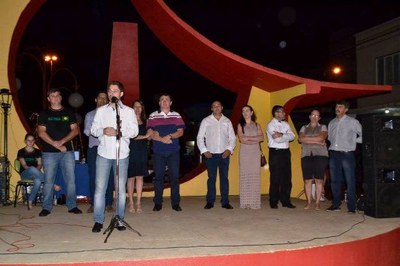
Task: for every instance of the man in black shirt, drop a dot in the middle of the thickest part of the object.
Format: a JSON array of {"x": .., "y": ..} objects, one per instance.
[{"x": 56, "y": 129}]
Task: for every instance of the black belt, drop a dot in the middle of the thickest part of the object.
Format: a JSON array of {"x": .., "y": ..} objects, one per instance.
[
  {"x": 342, "y": 151},
  {"x": 277, "y": 149}
]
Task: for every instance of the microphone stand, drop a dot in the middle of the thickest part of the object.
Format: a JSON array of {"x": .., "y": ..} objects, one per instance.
[{"x": 116, "y": 220}]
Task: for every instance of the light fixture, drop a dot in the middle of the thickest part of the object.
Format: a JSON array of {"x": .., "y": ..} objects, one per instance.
[
  {"x": 336, "y": 70},
  {"x": 5, "y": 98},
  {"x": 387, "y": 111},
  {"x": 48, "y": 58},
  {"x": 51, "y": 58}
]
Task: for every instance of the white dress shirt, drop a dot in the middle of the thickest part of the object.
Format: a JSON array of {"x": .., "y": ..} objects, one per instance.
[
  {"x": 282, "y": 127},
  {"x": 106, "y": 117},
  {"x": 215, "y": 135}
]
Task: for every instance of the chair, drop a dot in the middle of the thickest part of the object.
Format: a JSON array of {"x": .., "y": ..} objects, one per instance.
[{"x": 21, "y": 185}]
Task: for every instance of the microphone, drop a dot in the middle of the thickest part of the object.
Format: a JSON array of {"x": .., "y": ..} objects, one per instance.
[{"x": 114, "y": 99}]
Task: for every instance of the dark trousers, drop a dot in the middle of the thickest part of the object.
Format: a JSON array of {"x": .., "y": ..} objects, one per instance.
[
  {"x": 280, "y": 176},
  {"x": 172, "y": 160},
  {"x": 342, "y": 166},
  {"x": 214, "y": 163}
]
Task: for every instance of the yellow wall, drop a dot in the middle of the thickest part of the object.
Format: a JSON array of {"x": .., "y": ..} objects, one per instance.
[
  {"x": 10, "y": 11},
  {"x": 261, "y": 101}
]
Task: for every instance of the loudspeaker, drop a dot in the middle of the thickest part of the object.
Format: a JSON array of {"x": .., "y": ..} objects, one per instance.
[{"x": 381, "y": 166}]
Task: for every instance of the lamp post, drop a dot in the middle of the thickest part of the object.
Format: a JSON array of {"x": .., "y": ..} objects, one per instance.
[
  {"x": 5, "y": 172},
  {"x": 51, "y": 58}
]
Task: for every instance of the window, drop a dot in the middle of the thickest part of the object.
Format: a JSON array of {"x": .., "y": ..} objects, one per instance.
[{"x": 388, "y": 70}]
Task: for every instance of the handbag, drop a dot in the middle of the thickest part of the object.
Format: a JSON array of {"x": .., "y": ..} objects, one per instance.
[{"x": 263, "y": 160}]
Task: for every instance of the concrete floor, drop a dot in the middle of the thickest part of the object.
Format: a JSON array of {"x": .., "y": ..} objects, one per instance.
[{"x": 67, "y": 238}]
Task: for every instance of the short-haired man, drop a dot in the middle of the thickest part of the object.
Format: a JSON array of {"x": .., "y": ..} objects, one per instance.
[
  {"x": 56, "y": 128},
  {"x": 344, "y": 132},
  {"x": 114, "y": 137},
  {"x": 279, "y": 135},
  {"x": 168, "y": 127},
  {"x": 216, "y": 140}
]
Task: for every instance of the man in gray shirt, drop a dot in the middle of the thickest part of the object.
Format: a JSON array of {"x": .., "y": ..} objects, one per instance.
[
  {"x": 101, "y": 99},
  {"x": 344, "y": 132}
]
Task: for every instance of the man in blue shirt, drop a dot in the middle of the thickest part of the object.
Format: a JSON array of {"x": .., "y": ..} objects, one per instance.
[{"x": 168, "y": 127}]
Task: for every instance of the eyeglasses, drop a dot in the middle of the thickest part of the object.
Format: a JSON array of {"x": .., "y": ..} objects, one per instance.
[{"x": 314, "y": 115}]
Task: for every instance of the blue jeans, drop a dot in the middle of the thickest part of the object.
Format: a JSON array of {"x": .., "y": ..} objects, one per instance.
[
  {"x": 103, "y": 168},
  {"x": 212, "y": 164},
  {"x": 172, "y": 160},
  {"x": 91, "y": 161},
  {"x": 342, "y": 167},
  {"x": 32, "y": 173},
  {"x": 51, "y": 162}
]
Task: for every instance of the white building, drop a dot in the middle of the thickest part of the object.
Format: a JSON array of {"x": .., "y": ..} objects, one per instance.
[{"x": 378, "y": 62}]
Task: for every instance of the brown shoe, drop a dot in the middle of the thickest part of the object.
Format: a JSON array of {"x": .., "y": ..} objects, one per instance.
[
  {"x": 109, "y": 208},
  {"x": 90, "y": 210}
]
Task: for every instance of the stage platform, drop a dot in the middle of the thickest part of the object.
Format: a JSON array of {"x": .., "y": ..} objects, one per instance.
[{"x": 201, "y": 237}]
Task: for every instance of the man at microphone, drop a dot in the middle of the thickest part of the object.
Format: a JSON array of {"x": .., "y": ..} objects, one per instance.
[{"x": 114, "y": 124}]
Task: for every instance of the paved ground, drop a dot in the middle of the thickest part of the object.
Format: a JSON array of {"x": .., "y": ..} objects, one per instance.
[{"x": 64, "y": 237}]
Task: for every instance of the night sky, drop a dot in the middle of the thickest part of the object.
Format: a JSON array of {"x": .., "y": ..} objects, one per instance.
[{"x": 289, "y": 36}]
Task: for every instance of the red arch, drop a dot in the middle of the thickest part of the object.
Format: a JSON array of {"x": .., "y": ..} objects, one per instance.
[
  {"x": 231, "y": 71},
  {"x": 224, "y": 68}
]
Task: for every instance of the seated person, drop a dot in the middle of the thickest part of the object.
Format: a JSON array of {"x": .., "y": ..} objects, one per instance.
[{"x": 30, "y": 159}]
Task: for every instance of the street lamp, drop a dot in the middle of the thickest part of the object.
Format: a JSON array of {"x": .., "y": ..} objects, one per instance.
[
  {"x": 5, "y": 101},
  {"x": 50, "y": 58},
  {"x": 337, "y": 70}
]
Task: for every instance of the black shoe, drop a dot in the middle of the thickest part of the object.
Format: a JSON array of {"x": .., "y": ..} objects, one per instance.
[
  {"x": 177, "y": 208},
  {"x": 120, "y": 226},
  {"x": 289, "y": 205},
  {"x": 75, "y": 210},
  {"x": 333, "y": 208},
  {"x": 351, "y": 211},
  {"x": 97, "y": 227},
  {"x": 157, "y": 207},
  {"x": 209, "y": 206},
  {"x": 227, "y": 206},
  {"x": 44, "y": 212},
  {"x": 274, "y": 206}
]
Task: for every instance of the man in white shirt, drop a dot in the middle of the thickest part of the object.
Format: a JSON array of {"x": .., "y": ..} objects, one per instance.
[
  {"x": 216, "y": 140},
  {"x": 111, "y": 134},
  {"x": 279, "y": 135}
]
